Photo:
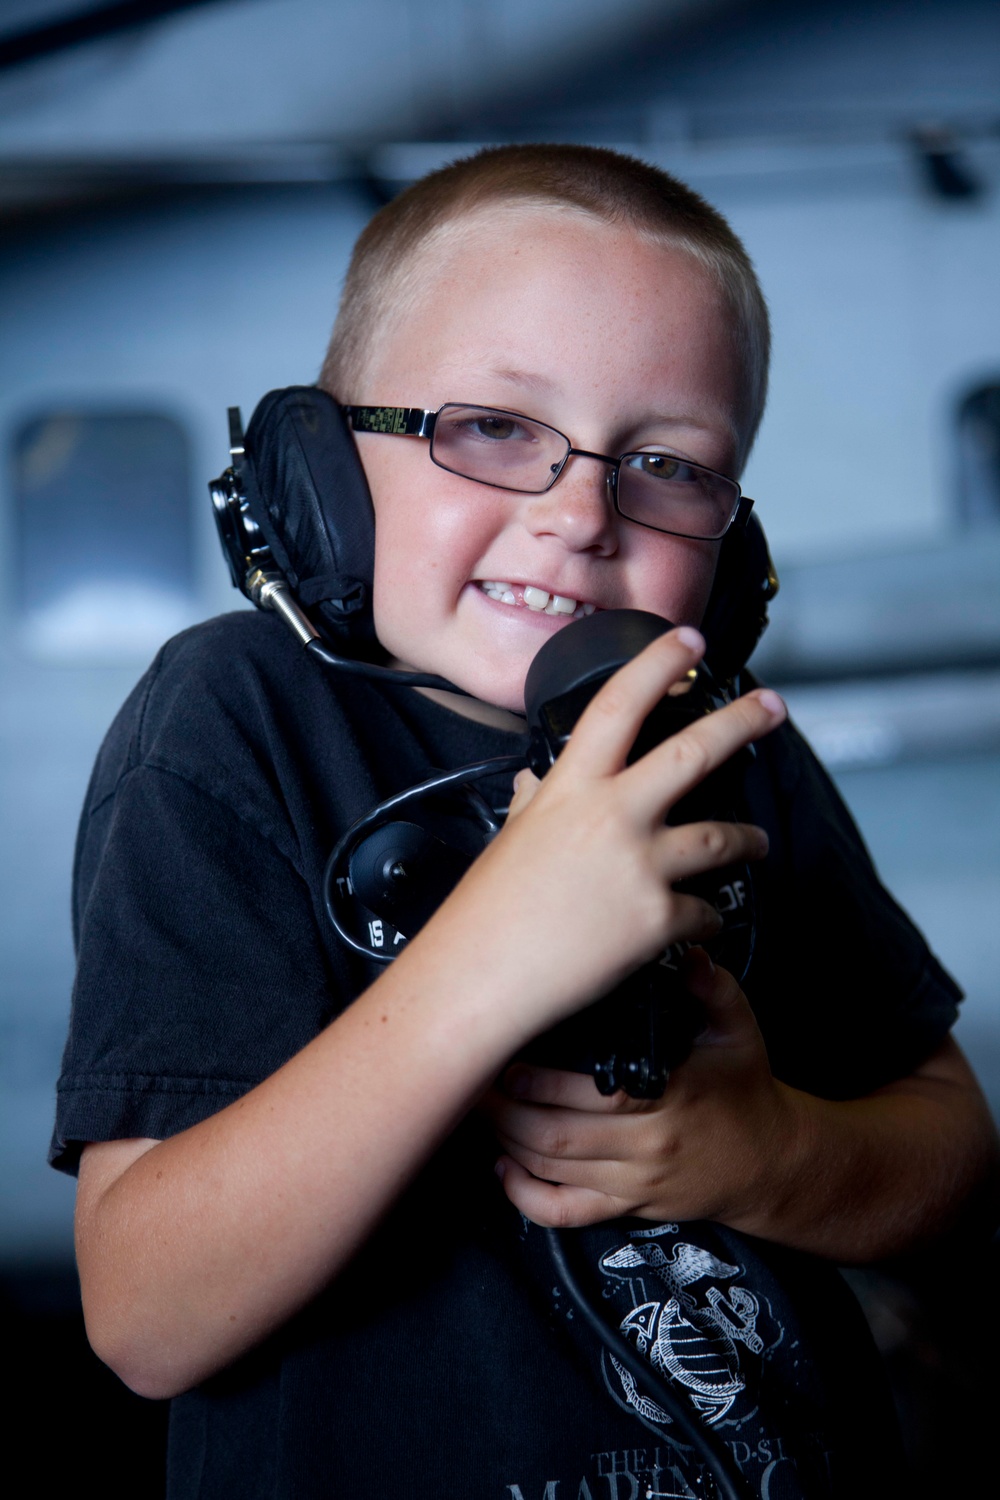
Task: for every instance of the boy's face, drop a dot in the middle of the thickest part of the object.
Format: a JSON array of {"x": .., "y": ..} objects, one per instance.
[{"x": 618, "y": 343}]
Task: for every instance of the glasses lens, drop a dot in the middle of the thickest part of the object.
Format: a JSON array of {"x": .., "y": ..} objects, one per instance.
[
  {"x": 498, "y": 447},
  {"x": 668, "y": 494}
]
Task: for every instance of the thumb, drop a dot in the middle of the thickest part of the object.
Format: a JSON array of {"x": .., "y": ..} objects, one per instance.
[
  {"x": 727, "y": 1010},
  {"x": 526, "y": 784}
]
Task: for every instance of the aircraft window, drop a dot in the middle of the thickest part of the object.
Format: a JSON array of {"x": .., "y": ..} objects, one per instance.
[
  {"x": 104, "y": 550},
  {"x": 979, "y": 456}
]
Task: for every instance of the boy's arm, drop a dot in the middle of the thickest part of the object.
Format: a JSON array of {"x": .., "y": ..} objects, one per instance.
[
  {"x": 194, "y": 1249},
  {"x": 854, "y": 1180}
]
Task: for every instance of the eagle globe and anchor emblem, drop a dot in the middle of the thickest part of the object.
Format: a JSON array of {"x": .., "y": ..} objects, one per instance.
[{"x": 692, "y": 1342}]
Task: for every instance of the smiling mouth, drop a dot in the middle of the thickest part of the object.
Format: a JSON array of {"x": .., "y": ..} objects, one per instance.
[{"x": 539, "y": 601}]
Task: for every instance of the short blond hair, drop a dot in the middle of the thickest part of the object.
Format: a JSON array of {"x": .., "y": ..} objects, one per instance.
[{"x": 609, "y": 186}]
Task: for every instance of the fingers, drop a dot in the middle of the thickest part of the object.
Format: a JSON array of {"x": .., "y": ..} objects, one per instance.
[
  {"x": 675, "y": 767},
  {"x": 552, "y": 1139},
  {"x": 693, "y": 848},
  {"x": 551, "y": 1120},
  {"x": 554, "y": 1205},
  {"x": 525, "y": 784},
  {"x": 607, "y": 728},
  {"x": 572, "y": 1162},
  {"x": 548, "y": 1141},
  {"x": 731, "y": 1022},
  {"x": 691, "y": 919},
  {"x": 524, "y": 1082}
]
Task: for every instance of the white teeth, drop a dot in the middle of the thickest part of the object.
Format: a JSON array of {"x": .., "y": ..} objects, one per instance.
[{"x": 539, "y": 601}]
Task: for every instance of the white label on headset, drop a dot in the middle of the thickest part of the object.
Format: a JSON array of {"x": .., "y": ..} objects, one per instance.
[{"x": 731, "y": 896}]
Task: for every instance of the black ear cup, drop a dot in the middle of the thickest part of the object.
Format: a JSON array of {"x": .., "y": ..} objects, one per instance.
[
  {"x": 391, "y": 870},
  {"x": 306, "y": 491},
  {"x": 745, "y": 583}
]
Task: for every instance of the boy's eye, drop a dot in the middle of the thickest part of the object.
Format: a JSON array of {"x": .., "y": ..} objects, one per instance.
[
  {"x": 660, "y": 466},
  {"x": 495, "y": 427},
  {"x": 497, "y": 447}
]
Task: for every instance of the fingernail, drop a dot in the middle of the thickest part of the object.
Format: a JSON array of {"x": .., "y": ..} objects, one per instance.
[
  {"x": 500, "y": 1169},
  {"x": 691, "y": 638},
  {"x": 770, "y": 700}
]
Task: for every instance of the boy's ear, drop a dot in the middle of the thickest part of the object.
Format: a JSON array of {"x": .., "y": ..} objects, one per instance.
[
  {"x": 736, "y": 615},
  {"x": 306, "y": 490}
]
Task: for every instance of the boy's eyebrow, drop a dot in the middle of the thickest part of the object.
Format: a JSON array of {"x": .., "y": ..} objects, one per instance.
[{"x": 522, "y": 377}]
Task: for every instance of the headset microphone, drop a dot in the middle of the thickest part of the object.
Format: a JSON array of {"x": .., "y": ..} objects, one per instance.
[{"x": 634, "y": 1036}]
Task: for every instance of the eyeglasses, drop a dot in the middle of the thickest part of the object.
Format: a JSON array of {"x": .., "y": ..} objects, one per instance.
[{"x": 511, "y": 452}]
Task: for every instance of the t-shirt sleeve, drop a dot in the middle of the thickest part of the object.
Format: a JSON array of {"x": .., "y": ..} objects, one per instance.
[
  {"x": 200, "y": 970},
  {"x": 848, "y": 994}
]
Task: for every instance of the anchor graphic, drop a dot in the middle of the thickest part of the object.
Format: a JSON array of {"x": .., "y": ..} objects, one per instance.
[{"x": 694, "y": 1344}]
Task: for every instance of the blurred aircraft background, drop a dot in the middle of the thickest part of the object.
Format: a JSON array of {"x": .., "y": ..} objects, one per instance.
[{"x": 180, "y": 185}]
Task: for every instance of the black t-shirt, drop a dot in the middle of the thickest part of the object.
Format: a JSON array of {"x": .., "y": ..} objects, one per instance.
[{"x": 448, "y": 1359}]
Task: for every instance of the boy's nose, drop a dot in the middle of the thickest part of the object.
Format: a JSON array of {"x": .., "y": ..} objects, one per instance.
[{"x": 578, "y": 508}]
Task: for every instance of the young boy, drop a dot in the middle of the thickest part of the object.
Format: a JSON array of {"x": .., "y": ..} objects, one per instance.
[{"x": 288, "y": 1206}]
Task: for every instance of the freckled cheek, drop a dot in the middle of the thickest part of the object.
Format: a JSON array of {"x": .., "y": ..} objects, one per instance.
[
  {"x": 420, "y": 571},
  {"x": 427, "y": 517},
  {"x": 675, "y": 580}
]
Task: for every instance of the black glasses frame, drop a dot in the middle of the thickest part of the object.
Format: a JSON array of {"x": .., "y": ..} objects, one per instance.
[{"x": 414, "y": 421}]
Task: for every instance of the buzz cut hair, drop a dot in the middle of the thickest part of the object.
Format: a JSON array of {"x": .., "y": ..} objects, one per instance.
[{"x": 384, "y": 275}]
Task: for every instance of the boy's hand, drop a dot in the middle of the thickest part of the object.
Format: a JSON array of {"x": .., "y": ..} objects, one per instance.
[
  {"x": 579, "y": 888},
  {"x": 717, "y": 1145}
]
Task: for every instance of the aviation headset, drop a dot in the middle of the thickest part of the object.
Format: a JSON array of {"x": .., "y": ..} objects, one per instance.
[{"x": 297, "y": 527}]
